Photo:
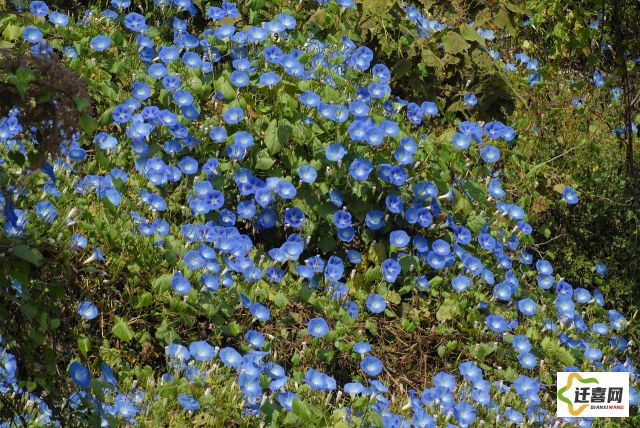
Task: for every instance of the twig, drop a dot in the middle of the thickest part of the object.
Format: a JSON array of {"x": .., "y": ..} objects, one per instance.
[{"x": 559, "y": 156}]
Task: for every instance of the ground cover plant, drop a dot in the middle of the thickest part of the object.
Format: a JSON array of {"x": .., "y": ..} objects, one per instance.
[{"x": 218, "y": 213}]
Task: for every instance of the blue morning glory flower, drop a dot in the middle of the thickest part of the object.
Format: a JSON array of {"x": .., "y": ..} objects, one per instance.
[
  {"x": 318, "y": 327},
  {"x": 390, "y": 271},
  {"x": 527, "y": 306},
  {"x": 361, "y": 348},
  {"x": 183, "y": 98},
  {"x": 39, "y": 8},
  {"x": 335, "y": 152},
  {"x": 121, "y": 114},
  {"x": 141, "y": 90},
  {"x": 100, "y": 43},
  {"x": 527, "y": 360},
  {"x": 535, "y": 78},
  {"x": 78, "y": 242},
  {"x": 371, "y": 365},
  {"x": 342, "y": 219},
  {"x": 353, "y": 388},
  {"x": 399, "y": 238},
  {"x": 286, "y": 190},
  {"x": 464, "y": 413},
  {"x": 521, "y": 344},
  {"x": 58, "y": 19},
  {"x": 233, "y": 115},
  {"x": 254, "y": 338},
  {"x": 616, "y": 320},
  {"x": 461, "y": 141},
  {"x": 598, "y": 79},
  {"x": 178, "y": 353},
  {"x": 135, "y": 22},
  {"x": 490, "y": 154},
  {"x": 460, "y": 283},
  {"x": 570, "y": 195},
  {"x": 307, "y": 174},
  {"x": 310, "y": 99},
  {"x": 545, "y": 282},
  {"x": 180, "y": 284},
  {"x": 269, "y": 79},
  {"x": 470, "y": 99},
  {"x": 46, "y": 211},
  {"x": 87, "y": 310},
  {"x": 593, "y": 354},
  {"x": 230, "y": 357},
  {"x": 581, "y": 295},
  {"x": 601, "y": 268},
  {"x": 188, "y": 402},
  {"x": 192, "y": 60},
  {"x": 319, "y": 381},
  {"x": 376, "y": 303},
  {"x": 260, "y": 312},
  {"x": 32, "y": 34},
  {"x": 294, "y": 217},
  {"x": 106, "y": 141},
  {"x": 496, "y": 323},
  {"x": 360, "y": 169},
  {"x": 80, "y": 375},
  {"x": 239, "y": 79},
  {"x": 202, "y": 351},
  {"x": 565, "y": 307}
]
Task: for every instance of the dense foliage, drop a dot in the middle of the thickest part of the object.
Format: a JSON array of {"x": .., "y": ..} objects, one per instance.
[{"x": 312, "y": 213}]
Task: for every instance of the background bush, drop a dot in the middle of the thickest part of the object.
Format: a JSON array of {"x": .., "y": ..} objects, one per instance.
[{"x": 568, "y": 130}]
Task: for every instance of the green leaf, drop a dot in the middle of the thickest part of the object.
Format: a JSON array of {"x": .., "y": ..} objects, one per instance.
[
  {"x": 233, "y": 329},
  {"x": 12, "y": 32},
  {"x": 503, "y": 20},
  {"x": 121, "y": 330},
  {"x": 281, "y": 300},
  {"x": 565, "y": 357},
  {"x": 407, "y": 262},
  {"x": 21, "y": 79},
  {"x": 108, "y": 91},
  {"x": 376, "y": 7},
  {"x": 277, "y": 135},
  {"x": 88, "y": 124},
  {"x": 403, "y": 67},
  {"x": 301, "y": 410},
  {"x": 167, "y": 334},
  {"x": 222, "y": 84},
  {"x": 454, "y": 43},
  {"x": 482, "y": 350},
  {"x": 163, "y": 282},
  {"x": 82, "y": 103},
  {"x": 32, "y": 255},
  {"x": 372, "y": 275},
  {"x": 475, "y": 223},
  {"x": 470, "y": 34},
  {"x": 431, "y": 59},
  {"x": 435, "y": 281},
  {"x": 84, "y": 344},
  {"x": 271, "y": 137},
  {"x": 326, "y": 243},
  {"x": 448, "y": 310},
  {"x": 476, "y": 192},
  {"x": 144, "y": 300},
  {"x": 393, "y": 297},
  {"x": 263, "y": 160},
  {"x": 291, "y": 420}
]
